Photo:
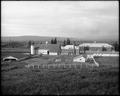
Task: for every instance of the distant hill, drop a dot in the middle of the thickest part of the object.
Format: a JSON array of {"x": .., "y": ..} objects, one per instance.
[
  {"x": 47, "y": 38},
  {"x": 35, "y": 38}
]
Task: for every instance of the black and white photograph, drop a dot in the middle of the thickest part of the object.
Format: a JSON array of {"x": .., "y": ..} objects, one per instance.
[{"x": 60, "y": 47}]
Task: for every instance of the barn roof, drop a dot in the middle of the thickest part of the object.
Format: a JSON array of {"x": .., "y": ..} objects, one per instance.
[
  {"x": 69, "y": 47},
  {"x": 13, "y": 54},
  {"x": 95, "y": 45},
  {"x": 83, "y": 55},
  {"x": 50, "y": 47},
  {"x": 10, "y": 57}
]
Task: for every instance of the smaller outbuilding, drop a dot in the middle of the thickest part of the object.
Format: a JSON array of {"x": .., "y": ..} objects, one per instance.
[
  {"x": 10, "y": 58},
  {"x": 79, "y": 59}
]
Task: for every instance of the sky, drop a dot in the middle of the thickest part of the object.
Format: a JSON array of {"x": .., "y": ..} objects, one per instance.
[{"x": 78, "y": 19}]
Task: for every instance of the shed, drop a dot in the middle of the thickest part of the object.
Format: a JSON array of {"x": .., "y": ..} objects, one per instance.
[
  {"x": 10, "y": 58},
  {"x": 79, "y": 59}
]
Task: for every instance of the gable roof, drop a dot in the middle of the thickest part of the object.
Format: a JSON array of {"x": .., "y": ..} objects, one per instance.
[
  {"x": 95, "y": 45},
  {"x": 80, "y": 56},
  {"x": 50, "y": 47},
  {"x": 69, "y": 47},
  {"x": 10, "y": 57}
]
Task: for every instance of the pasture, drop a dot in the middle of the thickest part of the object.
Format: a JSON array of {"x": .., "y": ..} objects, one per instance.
[
  {"x": 16, "y": 52},
  {"x": 16, "y": 79}
]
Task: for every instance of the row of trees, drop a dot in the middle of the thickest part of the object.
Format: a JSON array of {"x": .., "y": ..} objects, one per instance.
[
  {"x": 65, "y": 42},
  {"x": 54, "y": 41},
  {"x": 29, "y": 43},
  {"x": 116, "y": 46}
]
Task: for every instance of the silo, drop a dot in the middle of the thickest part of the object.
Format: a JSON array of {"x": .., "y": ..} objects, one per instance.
[{"x": 32, "y": 49}]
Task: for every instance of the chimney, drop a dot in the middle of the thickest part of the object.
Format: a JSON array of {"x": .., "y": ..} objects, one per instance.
[{"x": 32, "y": 49}]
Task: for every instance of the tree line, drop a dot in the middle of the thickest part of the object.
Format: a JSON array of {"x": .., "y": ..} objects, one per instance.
[
  {"x": 65, "y": 42},
  {"x": 27, "y": 44}
]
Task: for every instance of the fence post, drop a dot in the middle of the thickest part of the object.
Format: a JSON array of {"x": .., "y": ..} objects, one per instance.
[
  {"x": 86, "y": 65},
  {"x": 81, "y": 65}
]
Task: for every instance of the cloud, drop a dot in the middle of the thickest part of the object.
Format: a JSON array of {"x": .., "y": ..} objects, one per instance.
[{"x": 66, "y": 18}]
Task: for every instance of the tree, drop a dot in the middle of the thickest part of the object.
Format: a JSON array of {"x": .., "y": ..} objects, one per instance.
[
  {"x": 29, "y": 43},
  {"x": 32, "y": 42},
  {"x": 68, "y": 41},
  {"x": 52, "y": 41},
  {"x": 40, "y": 42},
  {"x": 55, "y": 41},
  {"x": 64, "y": 43},
  {"x": 116, "y": 46},
  {"x": 104, "y": 49},
  {"x": 112, "y": 48},
  {"x": 85, "y": 48}
]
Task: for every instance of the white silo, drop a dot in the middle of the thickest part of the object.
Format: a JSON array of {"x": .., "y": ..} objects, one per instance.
[
  {"x": 46, "y": 42},
  {"x": 32, "y": 49}
]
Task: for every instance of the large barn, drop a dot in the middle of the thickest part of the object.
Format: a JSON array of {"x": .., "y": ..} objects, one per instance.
[
  {"x": 46, "y": 49},
  {"x": 96, "y": 47}
]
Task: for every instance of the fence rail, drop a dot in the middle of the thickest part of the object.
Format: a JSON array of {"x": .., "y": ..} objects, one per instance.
[{"x": 47, "y": 66}]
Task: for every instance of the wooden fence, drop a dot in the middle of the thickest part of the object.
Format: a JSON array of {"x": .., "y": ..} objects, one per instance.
[{"x": 47, "y": 66}]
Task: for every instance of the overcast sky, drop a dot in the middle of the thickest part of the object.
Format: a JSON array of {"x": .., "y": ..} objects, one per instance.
[{"x": 80, "y": 19}]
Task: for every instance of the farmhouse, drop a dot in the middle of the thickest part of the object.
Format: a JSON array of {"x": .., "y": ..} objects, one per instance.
[{"x": 69, "y": 50}]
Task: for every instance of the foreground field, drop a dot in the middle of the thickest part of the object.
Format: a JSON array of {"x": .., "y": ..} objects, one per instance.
[{"x": 18, "y": 80}]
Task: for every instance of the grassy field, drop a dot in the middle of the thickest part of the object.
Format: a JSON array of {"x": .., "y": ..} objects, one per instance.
[
  {"x": 15, "y": 50},
  {"x": 18, "y": 80},
  {"x": 14, "y": 54},
  {"x": 108, "y": 61}
]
